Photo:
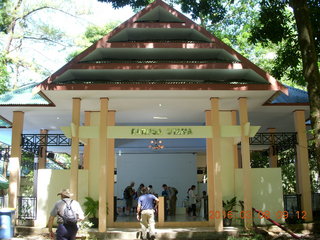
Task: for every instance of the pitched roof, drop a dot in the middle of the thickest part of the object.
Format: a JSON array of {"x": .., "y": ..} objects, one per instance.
[
  {"x": 156, "y": 48},
  {"x": 24, "y": 96},
  {"x": 4, "y": 123},
  {"x": 294, "y": 96}
]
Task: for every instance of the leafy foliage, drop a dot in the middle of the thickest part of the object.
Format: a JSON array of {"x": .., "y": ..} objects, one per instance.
[
  {"x": 213, "y": 10},
  {"x": 24, "y": 31},
  {"x": 280, "y": 29},
  {"x": 5, "y": 17},
  {"x": 4, "y": 75},
  {"x": 259, "y": 159},
  {"x": 228, "y": 205},
  {"x": 27, "y": 171},
  {"x": 91, "y": 35},
  {"x": 135, "y": 4},
  {"x": 91, "y": 207}
]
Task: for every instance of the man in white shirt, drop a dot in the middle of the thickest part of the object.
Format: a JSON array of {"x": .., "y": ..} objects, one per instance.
[{"x": 192, "y": 200}]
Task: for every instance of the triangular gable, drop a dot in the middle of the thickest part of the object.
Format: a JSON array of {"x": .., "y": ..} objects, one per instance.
[
  {"x": 135, "y": 23},
  {"x": 159, "y": 14}
]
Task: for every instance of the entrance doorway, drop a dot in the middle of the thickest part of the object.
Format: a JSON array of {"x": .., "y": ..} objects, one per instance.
[{"x": 180, "y": 164}]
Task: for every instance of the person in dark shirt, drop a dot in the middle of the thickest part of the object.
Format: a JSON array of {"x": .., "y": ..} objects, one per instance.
[
  {"x": 128, "y": 197},
  {"x": 145, "y": 213}
]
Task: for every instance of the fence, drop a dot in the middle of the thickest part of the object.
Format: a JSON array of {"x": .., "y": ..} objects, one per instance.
[
  {"x": 27, "y": 208},
  {"x": 2, "y": 201}
]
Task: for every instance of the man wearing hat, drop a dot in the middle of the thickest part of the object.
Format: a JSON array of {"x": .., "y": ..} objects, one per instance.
[{"x": 65, "y": 231}]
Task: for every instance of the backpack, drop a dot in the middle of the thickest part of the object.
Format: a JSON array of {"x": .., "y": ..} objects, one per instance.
[
  {"x": 69, "y": 216},
  {"x": 126, "y": 193}
]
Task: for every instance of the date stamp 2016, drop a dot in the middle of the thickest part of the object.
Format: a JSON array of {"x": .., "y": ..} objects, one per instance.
[{"x": 259, "y": 215}]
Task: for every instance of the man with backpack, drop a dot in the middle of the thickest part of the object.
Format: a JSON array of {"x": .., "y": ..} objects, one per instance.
[{"x": 68, "y": 213}]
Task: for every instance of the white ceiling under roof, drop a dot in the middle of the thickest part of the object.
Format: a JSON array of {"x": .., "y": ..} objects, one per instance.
[{"x": 137, "y": 107}]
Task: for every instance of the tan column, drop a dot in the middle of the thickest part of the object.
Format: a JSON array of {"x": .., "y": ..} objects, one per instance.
[
  {"x": 209, "y": 159},
  {"x": 75, "y": 147},
  {"x": 235, "y": 145},
  {"x": 216, "y": 150},
  {"x": 15, "y": 158},
  {"x": 302, "y": 165},
  {"x": 161, "y": 212},
  {"x": 110, "y": 169},
  {"x": 245, "y": 153},
  {"x": 42, "y": 160},
  {"x": 273, "y": 155},
  {"x": 103, "y": 153},
  {"x": 86, "y": 147}
]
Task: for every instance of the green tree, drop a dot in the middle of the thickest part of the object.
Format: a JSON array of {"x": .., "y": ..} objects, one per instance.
[
  {"x": 296, "y": 31},
  {"x": 91, "y": 35},
  {"x": 23, "y": 25},
  {"x": 4, "y": 75}
]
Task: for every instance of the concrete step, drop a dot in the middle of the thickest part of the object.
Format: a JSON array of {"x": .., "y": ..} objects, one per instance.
[
  {"x": 198, "y": 233},
  {"x": 166, "y": 233}
]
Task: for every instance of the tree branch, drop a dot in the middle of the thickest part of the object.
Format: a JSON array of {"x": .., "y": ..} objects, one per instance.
[
  {"x": 45, "y": 7},
  {"x": 48, "y": 40}
]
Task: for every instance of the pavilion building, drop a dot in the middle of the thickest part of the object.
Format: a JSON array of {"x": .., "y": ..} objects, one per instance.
[{"x": 159, "y": 75}]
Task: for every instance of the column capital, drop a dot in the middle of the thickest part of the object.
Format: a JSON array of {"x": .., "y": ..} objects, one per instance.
[
  {"x": 214, "y": 98},
  {"x": 242, "y": 98},
  {"x": 104, "y": 98},
  {"x": 74, "y": 98},
  {"x": 271, "y": 129},
  {"x": 298, "y": 110}
]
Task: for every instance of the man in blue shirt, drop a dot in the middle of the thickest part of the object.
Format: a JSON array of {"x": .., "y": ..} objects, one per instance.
[{"x": 147, "y": 204}]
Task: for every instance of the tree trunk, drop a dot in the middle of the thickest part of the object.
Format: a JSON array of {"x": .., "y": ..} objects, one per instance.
[{"x": 310, "y": 67}]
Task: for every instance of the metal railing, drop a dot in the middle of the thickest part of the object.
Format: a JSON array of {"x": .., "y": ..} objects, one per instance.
[
  {"x": 34, "y": 142},
  {"x": 281, "y": 140},
  {"x": 2, "y": 201},
  {"x": 5, "y": 154},
  {"x": 27, "y": 208}
]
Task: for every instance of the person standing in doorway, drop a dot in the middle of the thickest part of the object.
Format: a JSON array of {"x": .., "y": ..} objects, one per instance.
[
  {"x": 68, "y": 213},
  {"x": 151, "y": 191},
  {"x": 128, "y": 195},
  {"x": 192, "y": 200},
  {"x": 171, "y": 194},
  {"x": 147, "y": 203},
  {"x": 139, "y": 190}
]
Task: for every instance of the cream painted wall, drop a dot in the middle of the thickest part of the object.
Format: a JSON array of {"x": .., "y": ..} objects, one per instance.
[
  {"x": 50, "y": 182},
  {"x": 266, "y": 192}
]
